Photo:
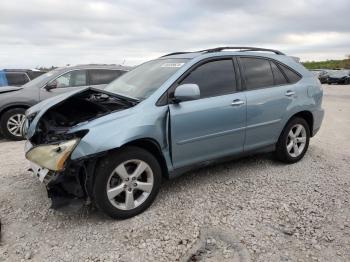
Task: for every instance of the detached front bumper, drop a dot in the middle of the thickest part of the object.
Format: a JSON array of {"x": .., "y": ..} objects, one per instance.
[
  {"x": 45, "y": 175},
  {"x": 62, "y": 187}
]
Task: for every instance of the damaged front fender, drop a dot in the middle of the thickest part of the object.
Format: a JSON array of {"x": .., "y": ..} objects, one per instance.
[
  {"x": 100, "y": 122},
  {"x": 114, "y": 131}
]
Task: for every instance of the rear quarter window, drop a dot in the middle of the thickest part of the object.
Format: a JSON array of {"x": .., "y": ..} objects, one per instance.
[{"x": 292, "y": 76}]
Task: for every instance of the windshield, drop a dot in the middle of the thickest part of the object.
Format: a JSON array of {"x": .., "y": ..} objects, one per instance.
[
  {"x": 43, "y": 79},
  {"x": 142, "y": 81}
]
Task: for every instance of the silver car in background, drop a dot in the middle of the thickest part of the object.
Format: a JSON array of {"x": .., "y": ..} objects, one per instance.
[{"x": 15, "y": 100}]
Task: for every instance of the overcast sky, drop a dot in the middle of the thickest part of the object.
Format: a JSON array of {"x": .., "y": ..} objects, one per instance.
[{"x": 59, "y": 32}]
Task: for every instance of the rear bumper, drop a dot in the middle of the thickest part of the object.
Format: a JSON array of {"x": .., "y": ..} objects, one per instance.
[{"x": 318, "y": 118}]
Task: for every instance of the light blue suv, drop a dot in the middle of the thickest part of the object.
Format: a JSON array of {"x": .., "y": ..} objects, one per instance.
[{"x": 112, "y": 147}]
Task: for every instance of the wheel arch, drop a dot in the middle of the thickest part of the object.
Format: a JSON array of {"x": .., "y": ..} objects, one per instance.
[
  {"x": 9, "y": 107},
  {"x": 13, "y": 106},
  {"x": 307, "y": 116},
  {"x": 154, "y": 148}
]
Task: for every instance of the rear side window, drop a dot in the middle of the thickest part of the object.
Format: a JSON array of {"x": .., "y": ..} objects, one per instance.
[
  {"x": 292, "y": 76},
  {"x": 102, "y": 76},
  {"x": 213, "y": 78},
  {"x": 71, "y": 79},
  {"x": 257, "y": 72},
  {"x": 278, "y": 76},
  {"x": 16, "y": 79}
]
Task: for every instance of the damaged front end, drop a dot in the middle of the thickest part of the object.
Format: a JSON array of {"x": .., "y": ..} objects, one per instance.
[{"x": 51, "y": 141}]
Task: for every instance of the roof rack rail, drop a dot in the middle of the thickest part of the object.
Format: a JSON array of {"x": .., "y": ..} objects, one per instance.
[
  {"x": 176, "y": 53},
  {"x": 219, "y": 49},
  {"x": 242, "y": 49}
]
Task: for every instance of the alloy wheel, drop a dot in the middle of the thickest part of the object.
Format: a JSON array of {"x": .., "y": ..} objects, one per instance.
[
  {"x": 14, "y": 124},
  {"x": 130, "y": 184},
  {"x": 296, "y": 140}
]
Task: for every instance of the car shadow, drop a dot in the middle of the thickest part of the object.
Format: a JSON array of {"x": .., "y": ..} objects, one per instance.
[{"x": 205, "y": 174}]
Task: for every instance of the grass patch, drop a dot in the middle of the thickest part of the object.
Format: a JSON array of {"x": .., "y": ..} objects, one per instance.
[{"x": 328, "y": 64}]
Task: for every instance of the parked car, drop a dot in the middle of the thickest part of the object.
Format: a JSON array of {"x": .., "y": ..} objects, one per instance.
[
  {"x": 15, "y": 100},
  {"x": 166, "y": 116},
  {"x": 338, "y": 77},
  {"x": 18, "y": 77},
  {"x": 323, "y": 76}
]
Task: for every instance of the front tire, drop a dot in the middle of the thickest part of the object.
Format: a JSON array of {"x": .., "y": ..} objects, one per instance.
[
  {"x": 11, "y": 124},
  {"x": 293, "y": 141},
  {"x": 127, "y": 182}
]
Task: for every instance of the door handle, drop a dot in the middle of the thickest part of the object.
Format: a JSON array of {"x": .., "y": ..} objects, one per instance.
[
  {"x": 237, "y": 102},
  {"x": 290, "y": 93}
]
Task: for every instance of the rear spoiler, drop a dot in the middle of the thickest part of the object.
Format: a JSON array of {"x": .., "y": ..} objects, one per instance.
[{"x": 296, "y": 59}]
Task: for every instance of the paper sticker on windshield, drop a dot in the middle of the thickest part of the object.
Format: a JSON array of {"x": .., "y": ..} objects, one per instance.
[{"x": 172, "y": 64}]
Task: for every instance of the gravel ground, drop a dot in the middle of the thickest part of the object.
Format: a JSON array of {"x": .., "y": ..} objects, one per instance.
[{"x": 253, "y": 209}]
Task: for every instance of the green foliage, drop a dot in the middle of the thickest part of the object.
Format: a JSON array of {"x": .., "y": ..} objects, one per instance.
[{"x": 329, "y": 64}]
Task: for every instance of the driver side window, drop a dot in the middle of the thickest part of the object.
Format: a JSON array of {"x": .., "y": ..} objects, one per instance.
[
  {"x": 214, "y": 78},
  {"x": 71, "y": 79}
]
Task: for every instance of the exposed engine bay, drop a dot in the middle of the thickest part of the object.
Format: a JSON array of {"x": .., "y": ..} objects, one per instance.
[
  {"x": 75, "y": 179},
  {"x": 79, "y": 108}
]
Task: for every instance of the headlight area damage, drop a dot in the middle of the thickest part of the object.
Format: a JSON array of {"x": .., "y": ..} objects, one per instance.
[{"x": 50, "y": 148}]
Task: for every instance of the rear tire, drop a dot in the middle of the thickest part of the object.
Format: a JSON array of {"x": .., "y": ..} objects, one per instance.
[
  {"x": 127, "y": 182},
  {"x": 293, "y": 141},
  {"x": 11, "y": 124}
]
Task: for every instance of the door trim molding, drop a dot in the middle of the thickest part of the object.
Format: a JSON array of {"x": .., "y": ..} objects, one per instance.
[
  {"x": 264, "y": 123},
  {"x": 198, "y": 138}
]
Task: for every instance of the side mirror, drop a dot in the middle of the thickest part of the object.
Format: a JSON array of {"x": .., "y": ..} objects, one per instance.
[
  {"x": 186, "y": 92},
  {"x": 51, "y": 85}
]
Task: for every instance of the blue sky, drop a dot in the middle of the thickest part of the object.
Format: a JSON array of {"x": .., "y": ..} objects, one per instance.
[{"x": 59, "y": 32}]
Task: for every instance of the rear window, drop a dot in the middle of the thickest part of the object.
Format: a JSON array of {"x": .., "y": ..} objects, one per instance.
[
  {"x": 103, "y": 76},
  {"x": 292, "y": 76},
  {"x": 257, "y": 72}
]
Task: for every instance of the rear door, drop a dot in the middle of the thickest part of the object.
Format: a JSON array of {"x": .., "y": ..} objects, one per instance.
[
  {"x": 101, "y": 77},
  {"x": 212, "y": 126},
  {"x": 269, "y": 95},
  {"x": 69, "y": 81}
]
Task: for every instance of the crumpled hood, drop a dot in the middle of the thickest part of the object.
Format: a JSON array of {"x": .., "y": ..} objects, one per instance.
[
  {"x": 40, "y": 109},
  {"x": 7, "y": 89}
]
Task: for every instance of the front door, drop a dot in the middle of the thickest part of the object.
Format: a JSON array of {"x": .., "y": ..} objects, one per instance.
[{"x": 214, "y": 125}]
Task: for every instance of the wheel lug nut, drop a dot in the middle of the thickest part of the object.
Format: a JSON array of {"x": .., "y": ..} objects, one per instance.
[
  {"x": 135, "y": 184},
  {"x": 129, "y": 189},
  {"x": 133, "y": 178},
  {"x": 127, "y": 179},
  {"x": 125, "y": 186}
]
